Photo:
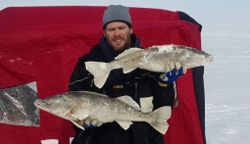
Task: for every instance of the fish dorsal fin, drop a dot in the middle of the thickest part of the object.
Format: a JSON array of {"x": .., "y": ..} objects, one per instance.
[
  {"x": 128, "y": 52},
  {"x": 125, "y": 124},
  {"x": 128, "y": 100}
]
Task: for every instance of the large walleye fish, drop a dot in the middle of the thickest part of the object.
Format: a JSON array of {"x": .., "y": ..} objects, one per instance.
[
  {"x": 155, "y": 58},
  {"x": 77, "y": 106}
]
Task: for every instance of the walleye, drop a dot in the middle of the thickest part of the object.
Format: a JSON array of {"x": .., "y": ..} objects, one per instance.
[
  {"x": 155, "y": 58},
  {"x": 77, "y": 106}
]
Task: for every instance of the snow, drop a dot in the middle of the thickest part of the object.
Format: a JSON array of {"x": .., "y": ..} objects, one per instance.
[
  {"x": 50, "y": 141},
  {"x": 227, "y": 85}
]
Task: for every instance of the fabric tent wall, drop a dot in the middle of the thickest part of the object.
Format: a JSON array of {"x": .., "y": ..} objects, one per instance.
[{"x": 42, "y": 44}]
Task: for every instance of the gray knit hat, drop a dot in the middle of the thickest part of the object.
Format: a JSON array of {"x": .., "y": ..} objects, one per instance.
[{"x": 116, "y": 13}]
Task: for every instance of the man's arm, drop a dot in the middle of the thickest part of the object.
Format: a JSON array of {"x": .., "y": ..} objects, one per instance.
[{"x": 80, "y": 78}]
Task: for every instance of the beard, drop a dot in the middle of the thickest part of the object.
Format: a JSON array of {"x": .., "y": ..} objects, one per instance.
[{"x": 120, "y": 43}]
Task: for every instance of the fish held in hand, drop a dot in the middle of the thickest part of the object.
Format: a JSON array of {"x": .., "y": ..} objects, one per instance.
[
  {"x": 155, "y": 59},
  {"x": 76, "y": 106}
]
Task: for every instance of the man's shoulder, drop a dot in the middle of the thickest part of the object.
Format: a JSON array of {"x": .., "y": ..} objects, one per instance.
[{"x": 93, "y": 55}]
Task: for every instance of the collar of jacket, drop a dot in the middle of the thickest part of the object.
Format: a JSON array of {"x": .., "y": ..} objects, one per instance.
[{"x": 110, "y": 53}]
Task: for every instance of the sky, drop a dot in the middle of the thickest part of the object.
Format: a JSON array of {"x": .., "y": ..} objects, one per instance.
[{"x": 205, "y": 12}]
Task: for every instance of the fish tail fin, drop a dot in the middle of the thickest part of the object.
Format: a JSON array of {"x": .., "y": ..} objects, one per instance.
[
  {"x": 100, "y": 70},
  {"x": 160, "y": 117}
]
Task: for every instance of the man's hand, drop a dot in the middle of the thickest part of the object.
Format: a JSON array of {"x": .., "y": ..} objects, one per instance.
[{"x": 175, "y": 70}]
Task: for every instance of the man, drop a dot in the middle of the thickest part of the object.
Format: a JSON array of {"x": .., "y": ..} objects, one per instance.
[{"x": 150, "y": 90}]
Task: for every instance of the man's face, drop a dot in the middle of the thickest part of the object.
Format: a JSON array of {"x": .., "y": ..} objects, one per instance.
[{"x": 118, "y": 35}]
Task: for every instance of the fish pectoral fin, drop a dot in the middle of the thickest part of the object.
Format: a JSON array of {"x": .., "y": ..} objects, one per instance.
[
  {"x": 125, "y": 124},
  {"x": 80, "y": 114},
  {"x": 129, "y": 101},
  {"x": 77, "y": 124}
]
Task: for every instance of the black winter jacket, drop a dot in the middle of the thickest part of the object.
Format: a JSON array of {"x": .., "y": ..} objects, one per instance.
[{"x": 137, "y": 84}]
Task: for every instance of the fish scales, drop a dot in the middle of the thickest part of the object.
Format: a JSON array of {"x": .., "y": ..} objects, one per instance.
[
  {"x": 154, "y": 59},
  {"x": 76, "y": 106}
]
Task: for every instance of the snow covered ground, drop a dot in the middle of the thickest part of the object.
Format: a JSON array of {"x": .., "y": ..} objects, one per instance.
[{"x": 227, "y": 84}]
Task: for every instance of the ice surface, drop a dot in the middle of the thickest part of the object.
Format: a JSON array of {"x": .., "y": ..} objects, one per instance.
[{"x": 227, "y": 87}]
